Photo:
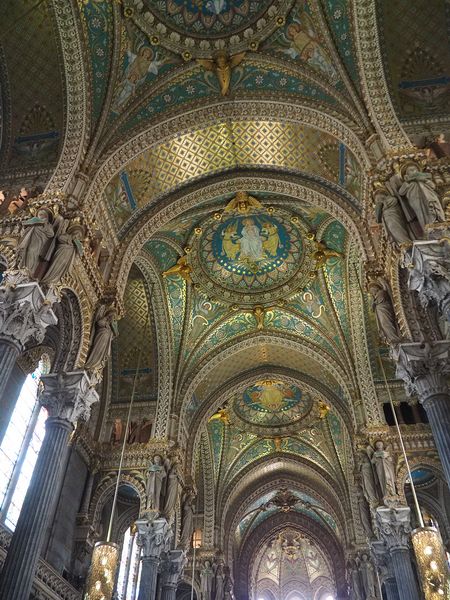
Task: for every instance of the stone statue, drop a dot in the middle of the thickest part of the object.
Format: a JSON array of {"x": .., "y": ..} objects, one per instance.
[
  {"x": 39, "y": 232},
  {"x": 384, "y": 469},
  {"x": 364, "y": 513},
  {"x": 68, "y": 245},
  {"x": 104, "y": 331},
  {"x": 356, "y": 586},
  {"x": 173, "y": 488},
  {"x": 368, "y": 480},
  {"x": 206, "y": 581},
  {"x": 420, "y": 192},
  {"x": 367, "y": 577},
  {"x": 187, "y": 520},
  {"x": 384, "y": 310},
  {"x": 389, "y": 212},
  {"x": 220, "y": 583},
  {"x": 156, "y": 475}
]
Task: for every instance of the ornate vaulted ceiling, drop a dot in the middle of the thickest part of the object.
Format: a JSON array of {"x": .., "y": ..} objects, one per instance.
[{"x": 33, "y": 131}]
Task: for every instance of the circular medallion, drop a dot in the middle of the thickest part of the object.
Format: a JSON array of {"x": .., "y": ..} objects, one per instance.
[
  {"x": 201, "y": 28},
  {"x": 272, "y": 403},
  {"x": 209, "y": 17},
  {"x": 249, "y": 258}
]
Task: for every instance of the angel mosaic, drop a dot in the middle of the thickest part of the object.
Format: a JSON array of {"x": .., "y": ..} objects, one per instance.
[{"x": 300, "y": 41}]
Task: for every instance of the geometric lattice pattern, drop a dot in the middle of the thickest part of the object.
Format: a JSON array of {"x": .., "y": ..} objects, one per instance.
[{"x": 217, "y": 148}]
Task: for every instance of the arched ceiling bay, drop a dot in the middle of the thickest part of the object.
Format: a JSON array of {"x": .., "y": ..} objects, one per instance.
[
  {"x": 33, "y": 106},
  {"x": 414, "y": 43},
  {"x": 227, "y": 146}
]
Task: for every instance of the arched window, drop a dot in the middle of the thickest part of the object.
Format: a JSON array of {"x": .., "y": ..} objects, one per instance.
[
  {"x": 130, "y": 567},
  {"x": 20, "y": 447}
]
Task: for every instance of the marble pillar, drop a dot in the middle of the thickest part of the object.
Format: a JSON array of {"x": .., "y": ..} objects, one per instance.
[
  {"x": 395, "y": 527},
  {"x": 25, "y": 313},
  {"x": 172, "y": 567},
  {"x": 153, "y": 538},
  {"x": 67, "y": 398},
  {"x": 424, "y": 367},
  {"x": 383, "y": 564}
]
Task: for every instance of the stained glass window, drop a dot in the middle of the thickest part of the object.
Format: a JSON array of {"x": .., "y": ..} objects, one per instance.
[{"x": 20, "y": 448}]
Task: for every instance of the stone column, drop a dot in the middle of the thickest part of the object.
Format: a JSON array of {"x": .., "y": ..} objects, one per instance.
[
  {"x": 153, "y": 538},
  {"x": 386, "y": 575},
  {"x": 67, "y": 397},
  {"x": 424, "y": 368},
  {"x": 395, "y": 527},
  {"x": 171, "y": 572},
  {"x": 25, "y": 313}
]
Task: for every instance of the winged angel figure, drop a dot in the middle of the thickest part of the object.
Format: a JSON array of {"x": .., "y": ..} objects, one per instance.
[{"x": 222, "y": 66}]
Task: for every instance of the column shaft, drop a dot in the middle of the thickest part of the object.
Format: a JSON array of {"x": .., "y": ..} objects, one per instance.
[
  {"x": 390, "y": 586},
  {"x": 149, "y": 574},
  {"x": 24, "y": 551},
  {"x": 9, "y": 352},
  {"x": 168, "y": 592},
  {"x": 438, "y": 412},
  {"x": 404, "y": 574}
]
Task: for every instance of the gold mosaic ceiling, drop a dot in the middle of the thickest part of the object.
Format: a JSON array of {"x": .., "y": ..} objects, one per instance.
[{"x": 218, "y": 148}]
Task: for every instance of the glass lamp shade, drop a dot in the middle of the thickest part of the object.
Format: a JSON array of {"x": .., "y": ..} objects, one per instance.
[
  {"x": 102, "y": 574},
  {"x": 431, "y": 563}
]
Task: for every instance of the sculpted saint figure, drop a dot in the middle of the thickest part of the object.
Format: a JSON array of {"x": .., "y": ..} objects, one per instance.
[
  {"x": 384, "y": 469},
  {"x": 39, "y": 232},
  {"x": 384, "y": 310},
  {"x": 389, "y": 212},
  {"x": 368, "y": 480},
  {"x": 364, "y": 514},
  {"x": 68, "y": 245},
  {"x": 105, "y": 329},
  {"x": 220, "y": 583},
  {"x": 367, "y": 577},
  {"x": 420, "y": 192},
  {"x": 356, "y": 585},
  {"x": 187, "y": 521},
  {"x": 156, "y": 475},
  {"x": 206, "y": 581},
  {"x": 173, "y": 487}
]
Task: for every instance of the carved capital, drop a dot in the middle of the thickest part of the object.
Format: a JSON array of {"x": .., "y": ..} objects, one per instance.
[
  {"x": 68, "y": 396},
  {"x": 172, "y": 567},
  {"x": 423, "y": 367},
  {"x": 25, "y": 311},
  {"x": 429, "y": 273},
  {"x": 394, "y": 526},
  {"x": 153, "y": 537}
]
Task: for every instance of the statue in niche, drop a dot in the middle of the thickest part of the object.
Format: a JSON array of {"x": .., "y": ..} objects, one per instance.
[
  {"x": 104, "y": 330},
  {"x": 206, "y": 581},
  {"x": 364, "y": 513},
  {"x": 187, "y": 520},
  {"x": 220, "y": 583},
  {"x": 367, "y": 577},
  {"x": 38, "y": 235},
  {"x": 419, "y": 190},
  {"x": 68, "y": 246},
  {"x": 384, "y": 310},
  {"x": 156, "y": 474},
  {"x": 384, "y": 469},
  {"x": 173, "y": 488},
  {"x": 388, "y": 211},
  {"x": 368, "y": 479}
]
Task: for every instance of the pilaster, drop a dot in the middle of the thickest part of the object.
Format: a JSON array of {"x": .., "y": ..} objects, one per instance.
[{"x": 153, "y": 538}]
